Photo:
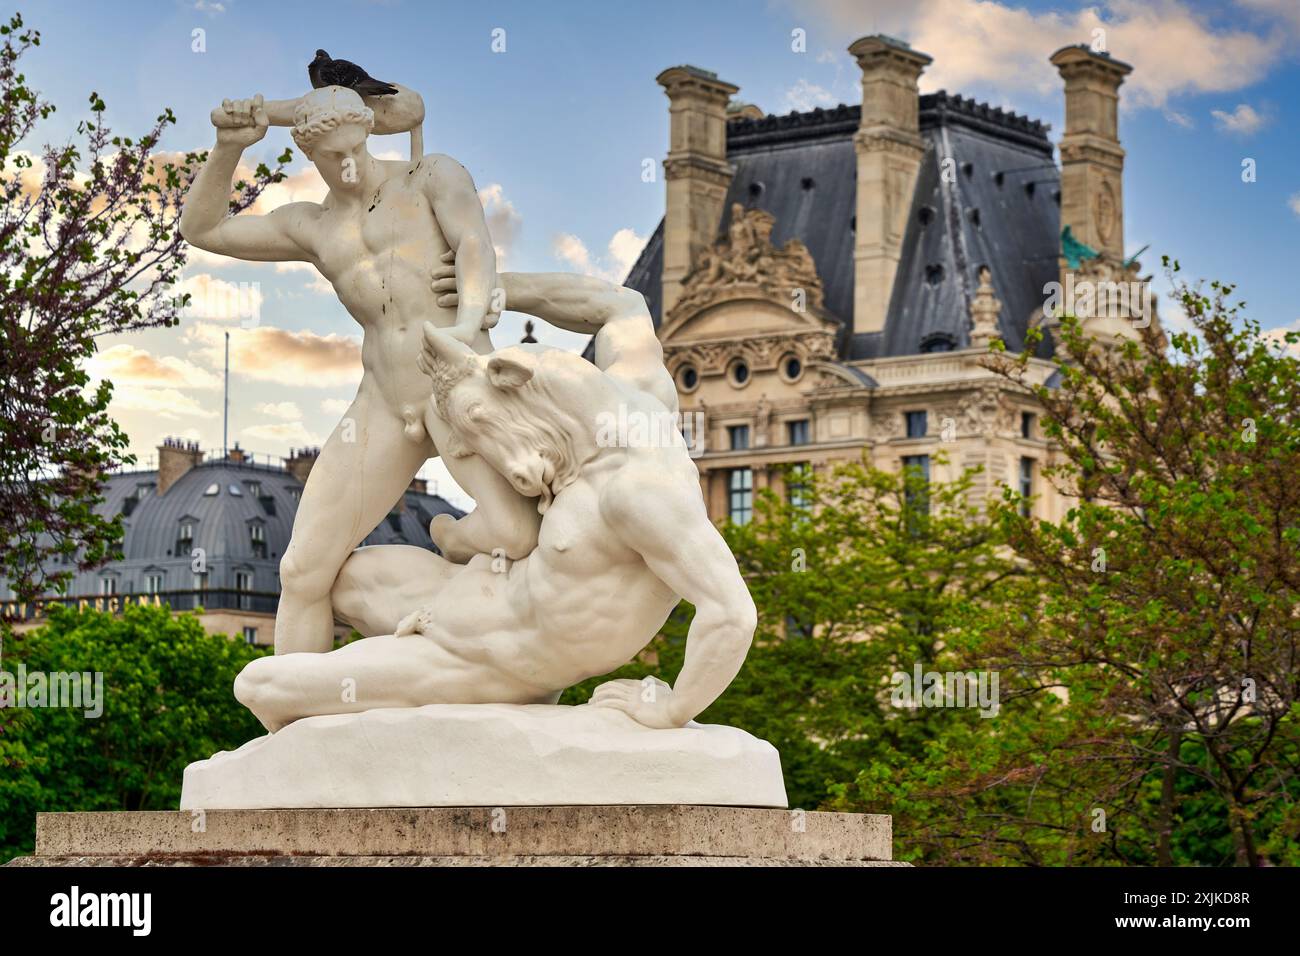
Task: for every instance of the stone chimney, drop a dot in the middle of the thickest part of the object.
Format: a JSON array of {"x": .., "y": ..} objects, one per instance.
[
  {"x": 889, "y": 149},
  {"x": 696, "y": 172},
  {"x": 175, "y": 458},
  {"x": 1092, "y": 161},
  {"x": 237, "y": 455},
  {"x": 300, "y": 461}
]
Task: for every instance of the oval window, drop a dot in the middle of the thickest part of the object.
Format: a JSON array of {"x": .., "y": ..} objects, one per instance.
[{"x": 740, "y": 373}]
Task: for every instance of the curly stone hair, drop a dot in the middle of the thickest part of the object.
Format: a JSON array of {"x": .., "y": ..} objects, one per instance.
[{"x": 312, "y": 120}]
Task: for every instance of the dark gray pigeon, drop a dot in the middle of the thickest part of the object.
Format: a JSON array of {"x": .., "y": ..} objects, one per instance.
[{"x": 326, "y": 72}]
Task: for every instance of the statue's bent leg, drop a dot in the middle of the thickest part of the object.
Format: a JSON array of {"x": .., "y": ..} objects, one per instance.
[
  {"x": 376, "y": 672},
  {"x": 502, "y": 520},
  {"x": 364, "y": 468}
]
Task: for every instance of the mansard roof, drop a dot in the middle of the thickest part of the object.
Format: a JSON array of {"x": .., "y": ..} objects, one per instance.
[
  {"x": 999, "y": 206},
  {"x": 220, "y": 519}
]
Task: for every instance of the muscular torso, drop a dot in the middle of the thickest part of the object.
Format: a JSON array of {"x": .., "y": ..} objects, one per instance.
[
  {"x": 380, "y": 256},
  {"x": 593, "y": 600}
]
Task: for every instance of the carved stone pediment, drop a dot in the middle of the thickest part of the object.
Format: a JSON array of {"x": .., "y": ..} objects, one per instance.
[
  {"x": 744, "y": 264},
  {"x": 988, "y": 412}
]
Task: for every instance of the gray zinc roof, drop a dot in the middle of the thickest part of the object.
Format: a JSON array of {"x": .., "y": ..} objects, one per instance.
[
  {"x": 1001, "y": 210},
  {"x": 221, "y": 525}
]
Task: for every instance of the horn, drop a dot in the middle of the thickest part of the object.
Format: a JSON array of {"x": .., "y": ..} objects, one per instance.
[
  {"x": 447, "y": 361},
  {"x": 444, "y": 346}
]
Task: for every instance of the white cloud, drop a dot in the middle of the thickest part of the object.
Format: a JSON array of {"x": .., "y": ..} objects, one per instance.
[
  {"x": 621, "y": 253},
  {"x": 126, "y": 365},
  {"x": 317, "y": 283},
  {"x": 1180, "y": 119},
  {"x": 1294, "y": 203},
  {"x": 287, "y": 411},
  {"x": 269, "y": 354},
  {"x": 160, "y": 402},
  {"x": 1278, "y": 337},
  {"x": 503, "y": 220},
  {"x": 303, "y": 186},
  {"x": 1173, "y": 47},
  {"x": 335, "y": 406},
  {"x": 218, "y": 299},
  {"x": 1242, "y": 121},
  {"x": 292, "y": 432},
  {"x": 806, "y": 95}
]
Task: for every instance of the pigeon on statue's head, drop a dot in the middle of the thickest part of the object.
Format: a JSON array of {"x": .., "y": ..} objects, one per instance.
[{"x": 326, "y": 72}]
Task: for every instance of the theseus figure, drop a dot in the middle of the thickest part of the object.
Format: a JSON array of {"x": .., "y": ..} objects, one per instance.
[{"x": 378, "y": 237}]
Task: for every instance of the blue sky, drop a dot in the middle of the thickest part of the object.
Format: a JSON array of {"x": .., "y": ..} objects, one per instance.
[{"x": 556, "y": 127}]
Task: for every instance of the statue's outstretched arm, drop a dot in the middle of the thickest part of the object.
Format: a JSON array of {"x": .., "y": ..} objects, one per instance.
[
  {"x": 205, "y": 221},
  {"x": 626, "y": 345}
]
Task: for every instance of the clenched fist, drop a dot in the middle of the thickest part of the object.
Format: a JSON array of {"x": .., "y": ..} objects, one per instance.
[{"x": 242, "y": 122}]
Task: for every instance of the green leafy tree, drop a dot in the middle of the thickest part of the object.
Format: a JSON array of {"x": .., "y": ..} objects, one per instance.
[
  {"x": 167, "y": 702},
  {"x": 89, "y": 246},
  {"x": 1158, "y": 646}
]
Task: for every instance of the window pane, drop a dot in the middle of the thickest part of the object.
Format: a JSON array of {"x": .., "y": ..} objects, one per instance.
[
  {"x": 1026, "y": 483},
  {"x": 916, "y": 424},
  {"x": 739, "y": 437},
  {"x": 917, "y": 499},
  {"x": 741, "y": 495},
  {"x": 797, "y": 491}
]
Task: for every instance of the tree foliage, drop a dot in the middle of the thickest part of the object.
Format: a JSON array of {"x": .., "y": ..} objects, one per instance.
[
  {"x": 1148, "y": 659},
  {"x": 872, "y": 574},
  {"x": 89, "y": 246},
  {"x": 167, "y": 701}
]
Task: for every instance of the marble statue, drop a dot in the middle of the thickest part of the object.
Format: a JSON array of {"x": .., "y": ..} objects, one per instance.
[
  {"x": 377, "y": 237},
  {"x": 624, "y": 535},
  {"x": 576, "y": 553}
]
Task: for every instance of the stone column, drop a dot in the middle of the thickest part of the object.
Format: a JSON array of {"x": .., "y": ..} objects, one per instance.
[
  {"x": 696, "y": 172},
  {"x": 889, "y": 149},
  {"x": 1092, "y": 161}
]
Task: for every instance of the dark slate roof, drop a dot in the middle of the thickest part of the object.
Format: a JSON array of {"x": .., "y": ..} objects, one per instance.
[
  {"x": 802, "y": 169},
  {"x": 1001, "y": 209},
  {"x": 221, "y": 525},
  {"x": 646, "y": 272}
]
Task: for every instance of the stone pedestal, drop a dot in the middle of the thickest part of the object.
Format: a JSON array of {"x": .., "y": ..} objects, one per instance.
[
  {"x": 487, "y": 755},
  {"x": 465, "y": 836}
]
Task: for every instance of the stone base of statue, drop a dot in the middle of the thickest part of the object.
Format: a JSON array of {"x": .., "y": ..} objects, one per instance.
[
  {"x": 465, "y": 836},
  {"x": 487, "y": 755}
]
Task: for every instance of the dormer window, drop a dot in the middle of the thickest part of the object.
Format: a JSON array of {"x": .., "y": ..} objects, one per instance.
[
  {"x": 184, "y": 537},
  {"x": 212, "y": 489},
  {"x": 938, "y": 342},
  {"x": 257, "y": 539}
]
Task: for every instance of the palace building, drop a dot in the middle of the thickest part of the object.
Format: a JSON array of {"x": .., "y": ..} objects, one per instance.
[
  {"x": 209, "y": 534},
  {"x": 825, "y": 284}
]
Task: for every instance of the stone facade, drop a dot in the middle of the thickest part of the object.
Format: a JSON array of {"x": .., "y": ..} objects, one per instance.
[{"x": 792, "y": 346}]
